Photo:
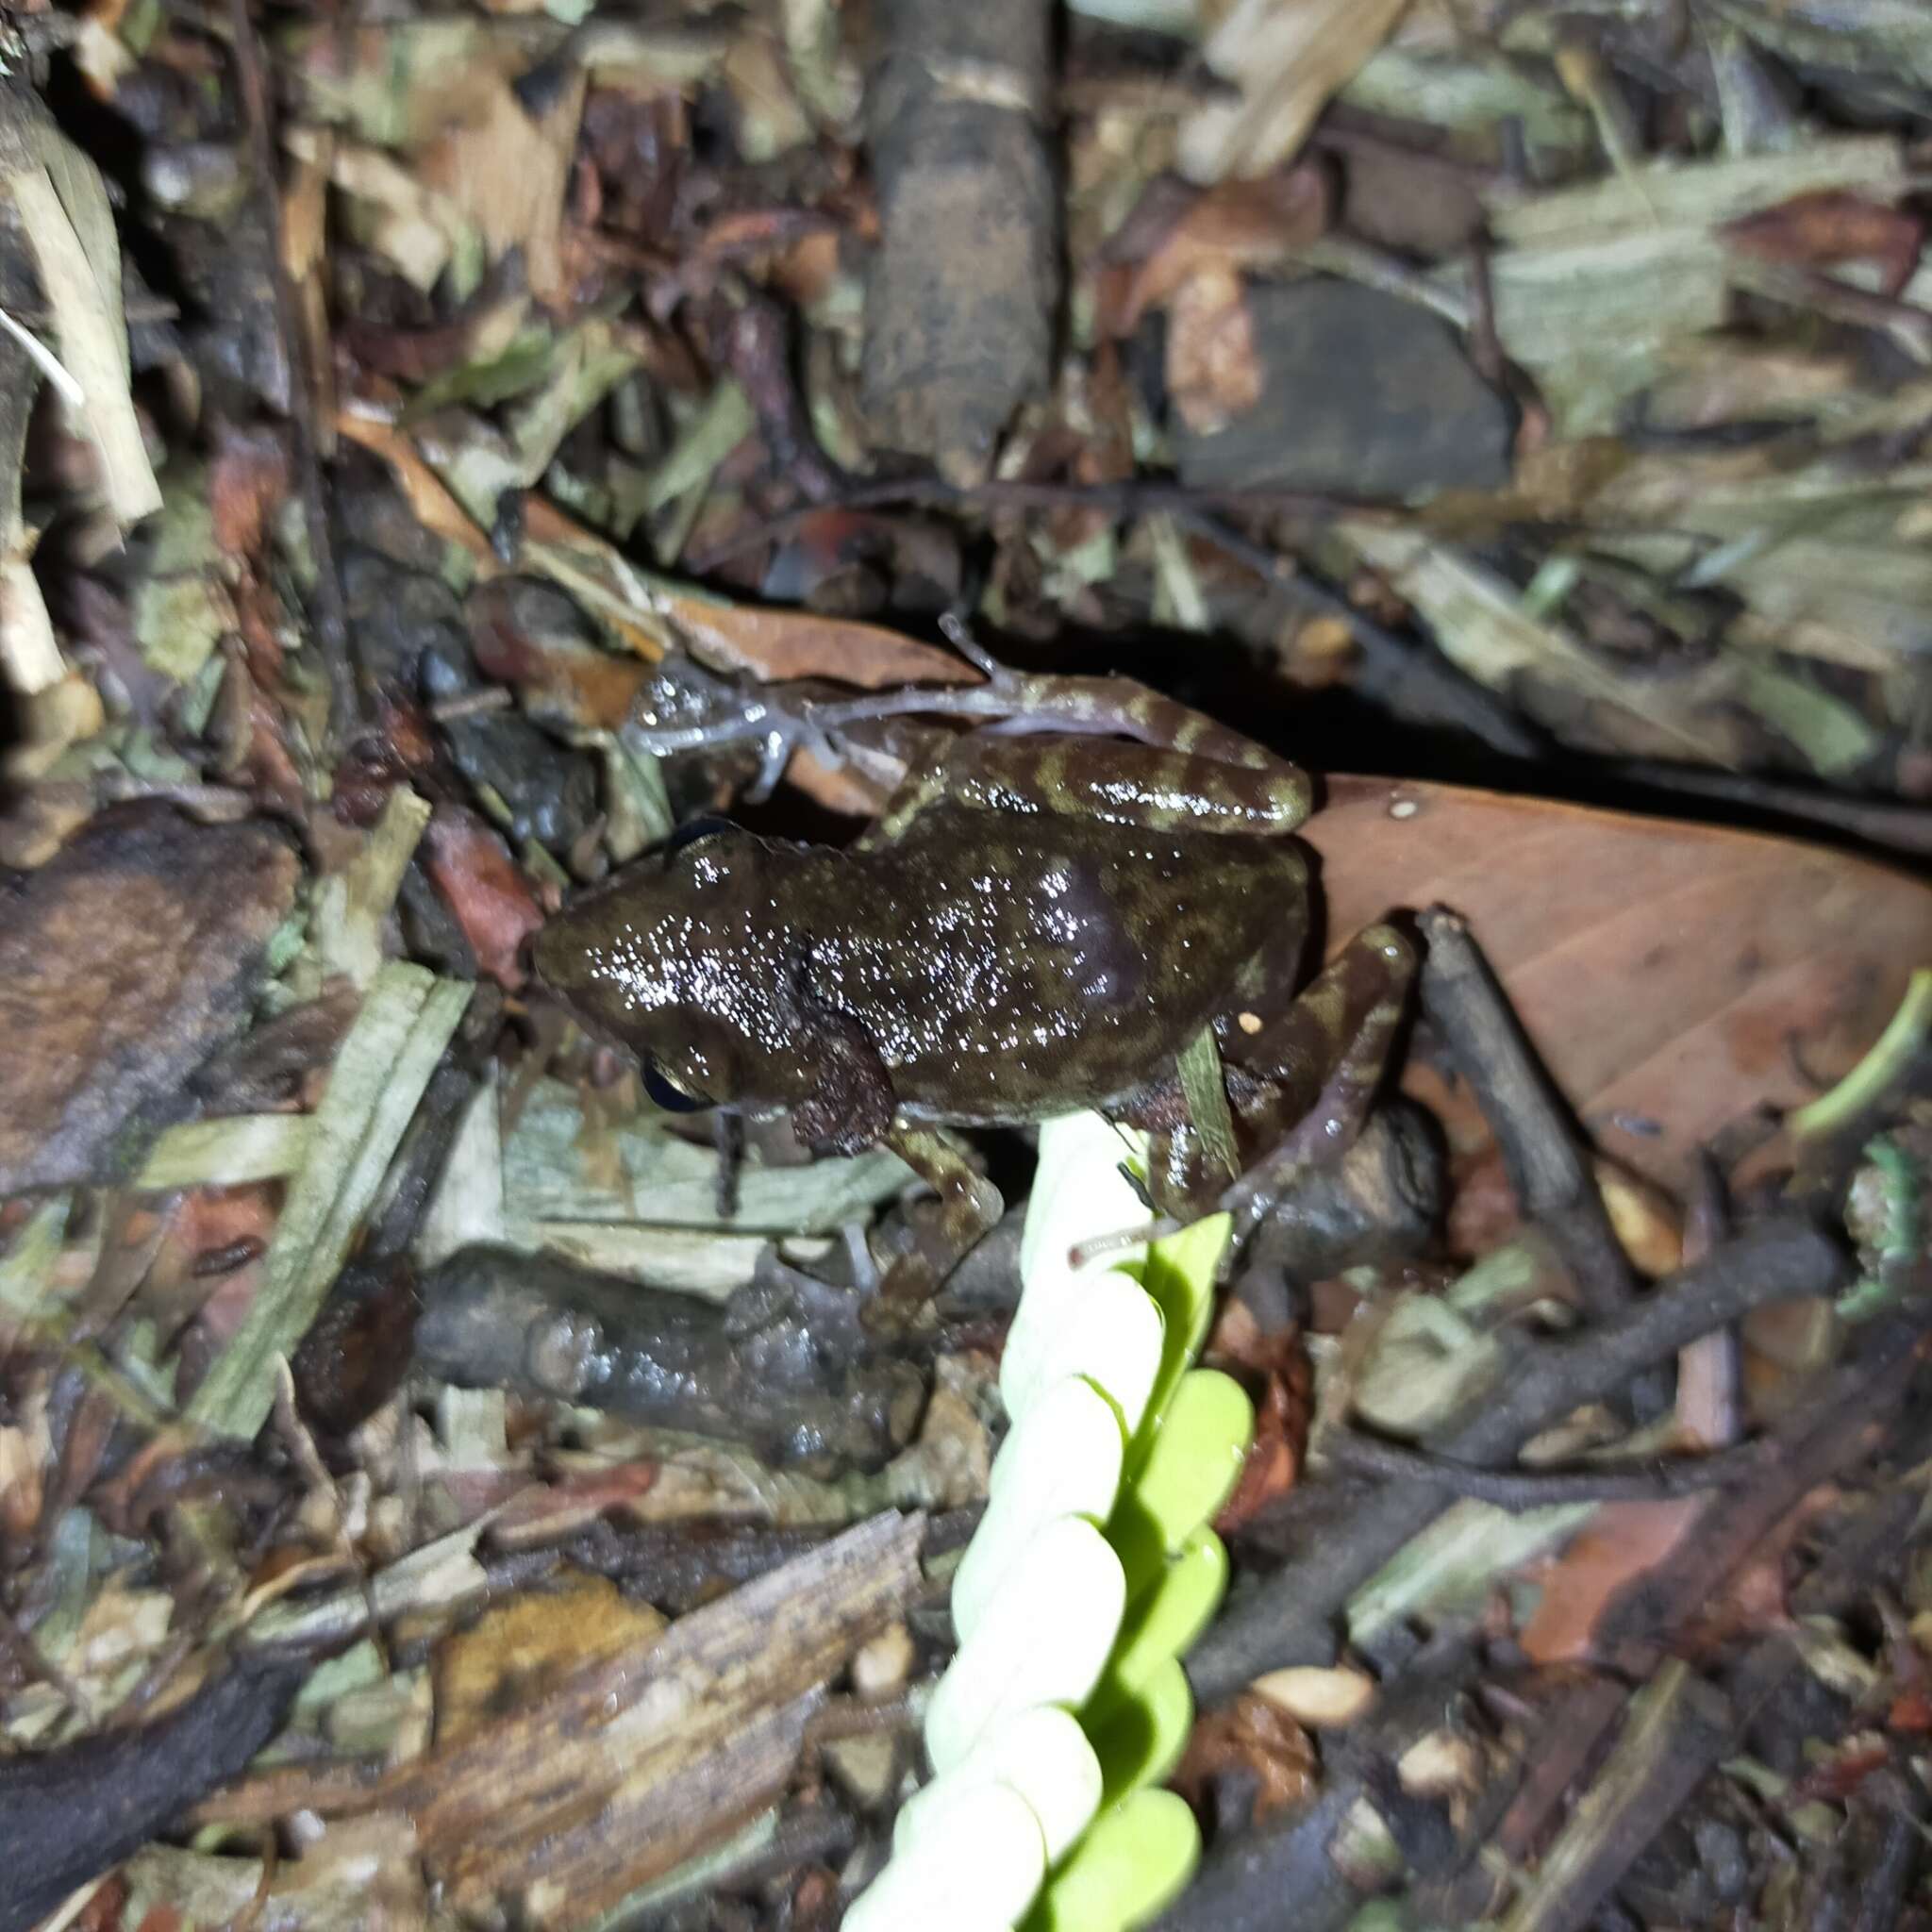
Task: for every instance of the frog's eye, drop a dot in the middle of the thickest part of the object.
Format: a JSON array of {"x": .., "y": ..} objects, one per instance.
[
  {"x": 707, "y": 825},
  {"x": 665, "y": 1094}
]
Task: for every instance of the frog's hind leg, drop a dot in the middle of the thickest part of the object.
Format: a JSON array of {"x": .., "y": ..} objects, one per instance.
[
  {"x": 1300, "y": 1081},
  {"x": 1159, "y": 788},
  {"x": 1325, "y": 1058}
]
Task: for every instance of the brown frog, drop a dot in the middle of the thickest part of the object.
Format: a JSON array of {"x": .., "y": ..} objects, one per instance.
[{"x": 1047, "y": 915}]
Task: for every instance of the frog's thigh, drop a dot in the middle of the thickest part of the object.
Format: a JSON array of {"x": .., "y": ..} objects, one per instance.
[{"x": 1121, "y": 783}]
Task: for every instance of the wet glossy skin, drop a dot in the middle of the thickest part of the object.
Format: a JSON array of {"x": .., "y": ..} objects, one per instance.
[
  {"x": 1036, "y": 923},
  {"x": 989, "y": 966}
]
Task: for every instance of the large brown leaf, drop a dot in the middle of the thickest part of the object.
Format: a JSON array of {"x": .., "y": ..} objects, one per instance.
[{"x": 1672, "y": 972}]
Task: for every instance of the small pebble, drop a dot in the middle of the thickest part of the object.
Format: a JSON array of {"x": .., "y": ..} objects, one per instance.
[
  {"x": 1721, "y": 1852},
  {"x": 864, "y": 1768},
  {"x": 883, "y": 1666},
  {"x": 1324, "y": 1698}
]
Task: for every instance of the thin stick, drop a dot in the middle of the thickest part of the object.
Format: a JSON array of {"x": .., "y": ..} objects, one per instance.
[
  {"x": 1537, "y": 1488},
  {"x": 1549, "y": 1166},
  {"x": 1133, "y": 497},
  {"x": 1351, "y": 1532},
  {"x": 348, "y": 694}
]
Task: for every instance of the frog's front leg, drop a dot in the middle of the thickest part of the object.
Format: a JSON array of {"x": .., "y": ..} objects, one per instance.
[
  {"x": 969, "y": 1206},
  {"x": 1300, "y": 1082}
]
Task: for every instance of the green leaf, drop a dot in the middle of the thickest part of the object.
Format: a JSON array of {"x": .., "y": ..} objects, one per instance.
[
  {"x": 1135, "y": 1862},
  {"x": 1206, "y": 1091}
]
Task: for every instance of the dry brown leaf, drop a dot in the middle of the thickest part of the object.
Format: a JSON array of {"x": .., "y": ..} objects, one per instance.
[
  {"x": 1834, "y": 225},
  {"x": 1278, "y": 1375},
  {"x": 1288, "y": 57},
  {"x": 1251, "y": 1735},
  {"x": 247, "y": 483},
  {"x": 507, "y": 170},
  {"x": 483, "y": 886},
  {"x": 566, "y": 677},
  {"x": 1620, "y": 1542},
  {"x": 1179, "y": 231},
  {"x": 1674, "y": 977},
  {"x": 435, "y": 508},
  {"x": 778, "y": 645},
  {"x": 170, "y": 920}
]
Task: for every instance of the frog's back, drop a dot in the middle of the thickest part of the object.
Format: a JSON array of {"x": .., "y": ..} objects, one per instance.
[{"x": 1009, "y": 969}]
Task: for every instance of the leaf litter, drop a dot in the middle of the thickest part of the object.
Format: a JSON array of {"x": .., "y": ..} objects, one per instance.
[{"x": 1517, "y": 414}]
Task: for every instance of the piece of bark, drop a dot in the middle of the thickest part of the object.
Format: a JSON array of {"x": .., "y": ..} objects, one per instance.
[
  {"x": 965, "y": 279},
  {"x": 123, "y": 961},
  {"x": 642, "y": 1759},
  {"x": 68, "y": 1815},
  {"x": 1678, "y": 1726}
]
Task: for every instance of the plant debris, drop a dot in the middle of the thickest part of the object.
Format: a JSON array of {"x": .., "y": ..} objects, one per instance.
[{"x": 452, "y": 1474}]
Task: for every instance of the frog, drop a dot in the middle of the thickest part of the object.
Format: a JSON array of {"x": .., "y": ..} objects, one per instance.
[{"x": 1049, "y": 913}]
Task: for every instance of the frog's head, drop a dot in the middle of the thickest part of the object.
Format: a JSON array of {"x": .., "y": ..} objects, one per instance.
[{"x": 678, "y": 959}]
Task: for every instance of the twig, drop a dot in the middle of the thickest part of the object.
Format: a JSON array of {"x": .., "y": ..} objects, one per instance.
[
  {"x": 1548, "y": 1164},
  {"x": 1537, "y": 1488},
  {"x": 1882, "y": 1896},
  {"x": 348, "y": 693},
  {"x": 27, "y": 1653},
  {"x": 1134, "y": 497},
  {"x": 1881, "y": 821},
  {"x": 1679, "y": 1726},
  {"x": 1417, "y": 684},
  {"x": 472, "y": 704},
  {"x": 1246, "y": 1885},
  {"x": 1251, "y": 1874},
  {"x": 1288, "y": 1619},
  {"x": 752, "y": 336}
]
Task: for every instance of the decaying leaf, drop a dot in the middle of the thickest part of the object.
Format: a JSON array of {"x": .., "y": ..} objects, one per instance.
[
  {"x": 519, "y": 1651},
  {"x": 506, "y": 166},
  {"x": 1178, "y": 231},
  {"x": 482, "y": 885},
  {"x": 64, "y": 209},
  {"x": 124, "y": 963},
  {"x": 1674, "y": 977},
  {"x": 1252, "y": 1736},
  {"x": 1288, "y": 60}
]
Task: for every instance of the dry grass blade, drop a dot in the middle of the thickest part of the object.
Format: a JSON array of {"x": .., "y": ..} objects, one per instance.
[
  {"x": 379, "y": 1074},
  {"x": 1288, "y": 60},
  {"x": 63, "y": 209}
]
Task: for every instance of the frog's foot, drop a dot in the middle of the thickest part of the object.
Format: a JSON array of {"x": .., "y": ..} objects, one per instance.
[
  {"x": 969, "y": 1206},
  {"x": 1340, "y": 1031},
  {"x": 779, "y": 722},
  {"x": 1300, "y": 1083}
]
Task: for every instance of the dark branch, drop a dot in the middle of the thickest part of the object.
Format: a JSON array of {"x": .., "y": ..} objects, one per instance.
[
  {"x": 346, "y": 695},
  {"x": 1549, "y": 1165},
  {"x": 1538, "y": 1489},
  {"x": 1290, "y": 1617}
]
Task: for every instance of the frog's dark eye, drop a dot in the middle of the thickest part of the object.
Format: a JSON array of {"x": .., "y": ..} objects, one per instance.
[
  {"x": 672, "y": 1099},
  {"x": 707, "y": 825}
]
